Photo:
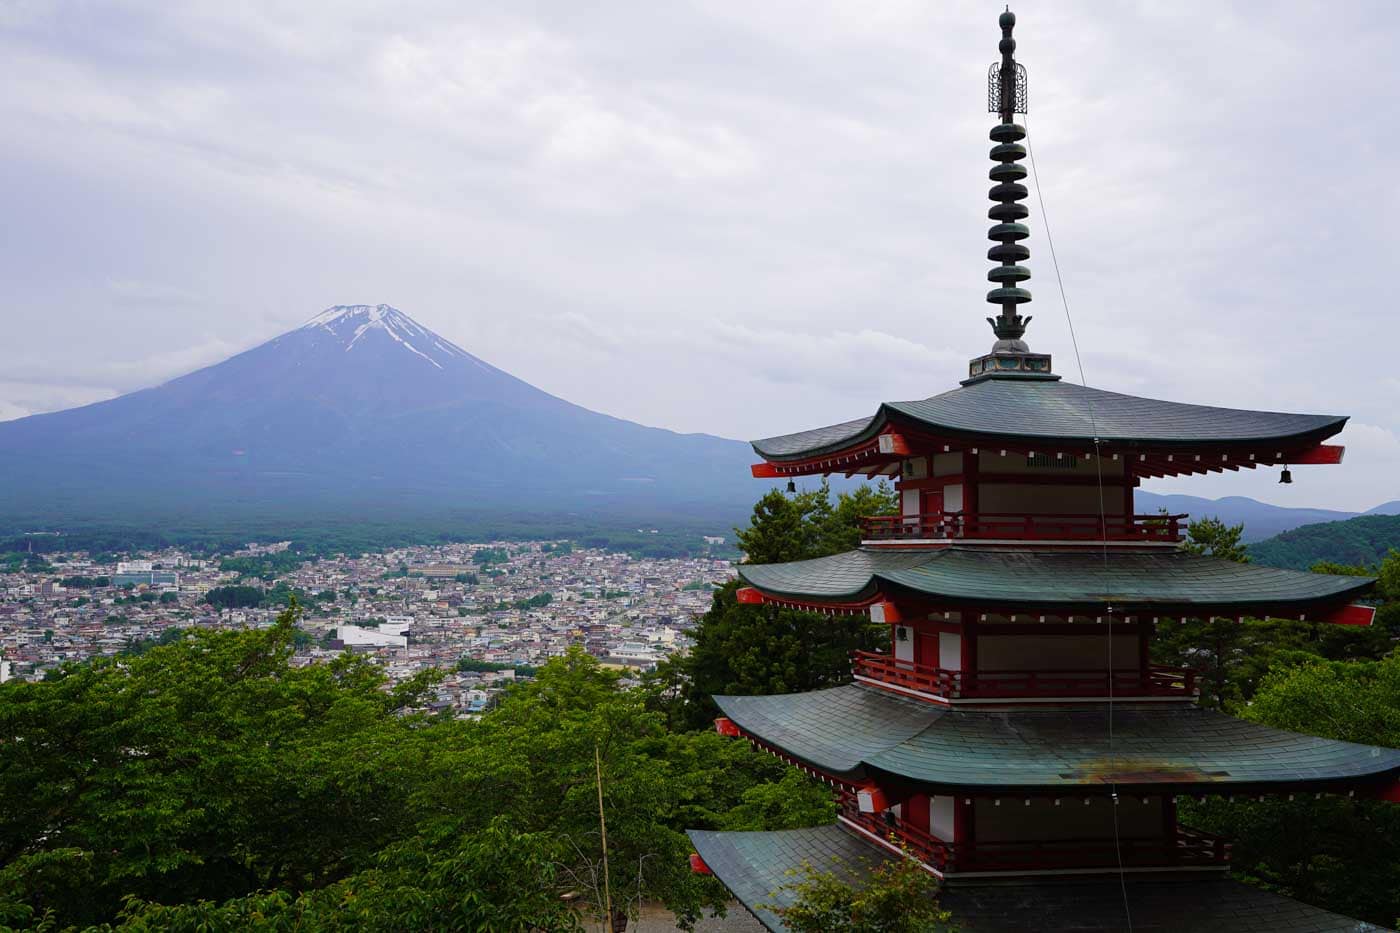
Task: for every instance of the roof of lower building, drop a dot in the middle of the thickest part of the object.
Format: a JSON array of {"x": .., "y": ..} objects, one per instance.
[
  {"x": 756, "y": 868},
  {"x": 1162, "y": 580},
  {"x": 1043, "y": 410},
  {"x": 859, "y": 731}
]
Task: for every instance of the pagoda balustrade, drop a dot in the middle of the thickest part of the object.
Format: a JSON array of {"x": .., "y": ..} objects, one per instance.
[
  {"x": 1179, "y": 848},
  {"x": 1154, "y": 681},
  {"x": 974, "y": 526}
]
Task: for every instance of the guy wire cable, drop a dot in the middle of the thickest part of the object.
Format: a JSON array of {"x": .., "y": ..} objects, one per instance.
[{"x": 1103, "y": 519}]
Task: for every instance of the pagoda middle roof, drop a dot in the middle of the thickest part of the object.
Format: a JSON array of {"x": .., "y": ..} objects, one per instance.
[
  {"x": 759, "y": 868},
  {"x": 1129, "y": 580},
  {"x": 857, "y": 732},
  {"x": 1046, "y": 410}
]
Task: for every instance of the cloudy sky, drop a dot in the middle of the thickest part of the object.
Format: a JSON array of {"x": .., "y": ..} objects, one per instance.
[{"x": 738, "y": 218}]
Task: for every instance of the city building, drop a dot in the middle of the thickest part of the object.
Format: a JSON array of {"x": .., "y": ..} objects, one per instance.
[
  {"x": 146, "y": 577},
  {"x": 1015, "y": 738}
]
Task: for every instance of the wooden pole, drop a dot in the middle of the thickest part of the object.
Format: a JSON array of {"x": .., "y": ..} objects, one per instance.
[{"x": 603, "y": 827}]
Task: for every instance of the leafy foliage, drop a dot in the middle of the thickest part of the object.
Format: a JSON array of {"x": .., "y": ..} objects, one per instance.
[
  {"x": 752, "y": 650},
  {"x": 1333, "y": 851},
  {"x": 209, "y": 784},
  {"x": 807, "y": 524},
  {"x": 745, "y": 649},
  {"x": 897, "y": 897},
  {"x": 1234, "y": 657},
  {"x": 1364, "y": 540}
]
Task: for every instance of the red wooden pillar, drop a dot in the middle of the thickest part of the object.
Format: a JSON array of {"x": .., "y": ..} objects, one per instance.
[
  {"x": 916, "y": 812},
  {"x": 968, "y": 658},
  {"x": 1127, "y": 489},
  {"x": 964, "y": 833},
  {"x": 925, "y": 646},
  {"x": 970, "y": 473}
]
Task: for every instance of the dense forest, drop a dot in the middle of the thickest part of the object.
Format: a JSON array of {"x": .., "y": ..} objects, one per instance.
[{"x": 1364, "y": 540}]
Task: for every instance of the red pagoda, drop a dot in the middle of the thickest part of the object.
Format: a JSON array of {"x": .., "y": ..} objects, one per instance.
[{"x": 1015, "y": 738}]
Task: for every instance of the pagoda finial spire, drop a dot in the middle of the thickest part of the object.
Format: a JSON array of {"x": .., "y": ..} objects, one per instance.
[{"x": 1006, "y": 97}]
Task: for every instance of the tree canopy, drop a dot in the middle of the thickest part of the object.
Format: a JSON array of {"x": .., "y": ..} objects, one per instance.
[{"x": 210, "y": 784}]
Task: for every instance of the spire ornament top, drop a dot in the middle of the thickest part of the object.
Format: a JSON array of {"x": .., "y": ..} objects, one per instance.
[{"x": 1007, "y": 95}]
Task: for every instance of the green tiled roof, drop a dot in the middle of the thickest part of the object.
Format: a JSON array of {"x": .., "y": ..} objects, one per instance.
[
  {"x": 754, "y": 867},
  {"x": 855, "y": 731},
  {"x": 1163, "y": 580},
  {"x": 1050, "y": 410}
]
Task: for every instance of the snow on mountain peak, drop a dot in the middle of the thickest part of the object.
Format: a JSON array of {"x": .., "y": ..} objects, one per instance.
[{"x": 349, "y": 323}]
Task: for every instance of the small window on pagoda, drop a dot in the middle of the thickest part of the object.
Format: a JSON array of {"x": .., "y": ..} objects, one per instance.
[{"x": 1052, "y": 462}]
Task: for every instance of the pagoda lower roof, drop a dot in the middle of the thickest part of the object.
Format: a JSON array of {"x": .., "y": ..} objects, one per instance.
[
  {"x": 1053, "y": 410},
  {"x": 1160, "y": 581},
  {"x": 858, "y": 732},
  {"x": 757, "y": 867}
]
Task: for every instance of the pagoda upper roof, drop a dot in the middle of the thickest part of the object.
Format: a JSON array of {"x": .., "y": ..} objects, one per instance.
[
  {"x": 1044, "y": 410},
  {"x": 757, "y": 867},
  {"x": 854, "y": 732},
  {"x": 1161, "y": 581}
]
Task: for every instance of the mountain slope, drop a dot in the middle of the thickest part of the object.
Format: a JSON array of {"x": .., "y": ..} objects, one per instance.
[
  {"x": 1363, "y": 540},
  {"x": 1260, "y": 519},
  {"x": 361, "y": 405}
]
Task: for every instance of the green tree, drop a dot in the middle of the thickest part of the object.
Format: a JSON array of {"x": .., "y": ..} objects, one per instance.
[
  {"x": 749, "y": 650},
  {"x": 779, "y": 530},
  {"x": 494, "y": 879},
  {"x": 840, "y": 529},
  {"x": 234, "y": 597},
  {"x": 896, "y": 897},
  {"x": 1333, "y": 851},
  {"x": 208, "y": 768},
  {"x": 1213, "y": 538}
]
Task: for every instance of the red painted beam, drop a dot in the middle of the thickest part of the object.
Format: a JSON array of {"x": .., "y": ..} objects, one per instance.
[
  {"x": 764, "y": 470},
  {"x": 1354, "y": 614},
  {"x": 893, "y": 443},
  {"x": 1390, "y": 793},
  {"x": 748, "y": 596},
  {"x": 885, "y": 612},
  {"x": 1321, "y": 454},
  {"x": 872, "y": 799},
  {"x": 727, "y": 727},
  {"x": 698, "y": 866}
]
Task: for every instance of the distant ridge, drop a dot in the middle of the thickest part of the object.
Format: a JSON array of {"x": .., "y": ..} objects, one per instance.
[
  {"x": 361, "y": 407},
  {"x": 1260, "y": 519}
]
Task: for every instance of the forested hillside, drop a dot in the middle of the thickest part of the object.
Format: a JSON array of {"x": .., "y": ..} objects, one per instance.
[{"x": 1364, "y": 541}]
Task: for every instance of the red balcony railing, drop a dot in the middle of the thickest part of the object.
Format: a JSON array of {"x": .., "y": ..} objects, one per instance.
[
  {"x": 1155, "y": 681},
  {"x": 973, "y": 526},
  {"x": 1181, "y": 848}
]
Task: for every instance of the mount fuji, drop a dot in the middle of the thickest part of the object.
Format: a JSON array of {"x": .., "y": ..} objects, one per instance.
[{"x": 361, "y": 407}]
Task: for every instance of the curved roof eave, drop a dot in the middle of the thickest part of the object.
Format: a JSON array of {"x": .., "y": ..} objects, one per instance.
[
  {"x": 1044, "y": 412},
  {"x": 1143, "y": 581},
  {"x": 854, "y": 730}
]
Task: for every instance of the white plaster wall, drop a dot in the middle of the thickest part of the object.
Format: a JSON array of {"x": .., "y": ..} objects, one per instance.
[
  {"x": 940, "y": 817},
  {"x": 904, "y": 650},
  {"x": 953, "y": 498},
  {"x": 950, "y": 651}
]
